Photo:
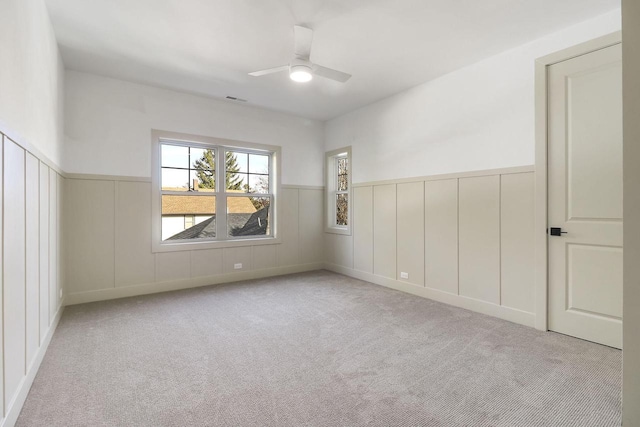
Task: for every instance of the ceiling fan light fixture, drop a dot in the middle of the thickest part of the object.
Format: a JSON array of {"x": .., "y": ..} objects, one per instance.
[
  {"x": 300, "y": 73},
  {"x": 301, "y": 69}
]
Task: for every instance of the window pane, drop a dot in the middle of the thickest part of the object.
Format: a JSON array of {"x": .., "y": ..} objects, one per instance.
[
  {"x": 343, "y": 183},
  {"x": 237, "y": 182},
  {"x": 343, "y": 166},
  {"x": 248, "y": 216},
  {"x": 342, "y": 209},
  {"x": 174, "y": 156},
  {"x": 258, "y": 163},
  {"x": 180, "y": 212},
  {"x": 343, "y": 174},
  {"x": 237, "y": 162},
  {"x": 175, "y": 179},
  {"x": 205, "y": 180},
  {"x": 258, "y": 183},
  {"x": 203, "y": 160}
]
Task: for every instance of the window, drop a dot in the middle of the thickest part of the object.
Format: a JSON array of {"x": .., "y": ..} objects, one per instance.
[
  {"x": 212, "y": 193},
  {"x": 338, "y": 185}
]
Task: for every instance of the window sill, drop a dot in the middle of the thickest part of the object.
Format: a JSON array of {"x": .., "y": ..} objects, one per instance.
[
  {"x": 219, "y": 244},
  {"x": 338, "y": 230}
]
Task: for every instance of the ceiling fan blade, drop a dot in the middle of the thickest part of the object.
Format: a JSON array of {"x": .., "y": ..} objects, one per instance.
[
  {"x": 302, "y": 41},
  {"x": 328, "y": 73},
  {"x": 269, "y": 71}
]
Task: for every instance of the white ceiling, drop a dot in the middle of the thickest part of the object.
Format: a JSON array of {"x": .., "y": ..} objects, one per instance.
[{"x": 209, "y": 46}]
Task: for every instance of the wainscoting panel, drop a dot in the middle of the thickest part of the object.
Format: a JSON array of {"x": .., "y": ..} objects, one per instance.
[
  {"x": 479, "y": 228},
  {"x": 54, "y": 255},
  {"x": 61, "y": 274},
  {"x": 263, "y": 257},
  {"x": 44, "y": 250},
  {"x": 2, "y": 409},
  {"x": 517, "y": 241},
  {"x": 410, "y": 239},
  {"x": 29, "y": 229},
  {"x": 134, "y": 262},
  {"x": 441, "y": 235},
  {"x": 91, "y": 213},
  {"x": 32, "y": 257},
  {"x": 171, "y": 266},
  {"x": 14, "y": 270},
  {"x": 207, "y": 262},
  {"x": 310, "y": 208},
  {"x": 339, "y": 249},
  {"x": 239, "y": 255},
  {"x": 384, "y": 230},
  {"x": 363, "y": 229},
  {"x": 465, "y": 239},
  {"x": 288, "y": 250},
  {"x": 140, "y": 271}
]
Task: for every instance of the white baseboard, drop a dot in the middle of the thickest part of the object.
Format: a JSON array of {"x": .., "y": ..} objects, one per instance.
[
  {"x": 15, "y": 406},
  {"x": 502, "y": 312},
  {"x": 174, "y": 285}
]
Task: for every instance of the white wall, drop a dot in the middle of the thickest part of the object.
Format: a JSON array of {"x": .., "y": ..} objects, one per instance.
[
  {"x": 108, "y": 126},
  {"x": 631, "y": 94},
  {"x": 479, "y": 117},
  {"x": 31, "y": 99},
  {"x": 31, "y": 77}
]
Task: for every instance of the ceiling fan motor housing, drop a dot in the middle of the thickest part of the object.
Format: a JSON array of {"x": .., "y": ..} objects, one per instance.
[{"x": 300, "y": 70}]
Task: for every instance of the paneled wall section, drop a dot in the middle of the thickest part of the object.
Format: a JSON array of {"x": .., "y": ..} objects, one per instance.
[
  {"x": 30, "y": 253},
  {"x": 441, "y": 234},
  {"x": 110, "y": 240},
  {"x": 465, "y": 239},
  {"x": 479, "y": 238}
]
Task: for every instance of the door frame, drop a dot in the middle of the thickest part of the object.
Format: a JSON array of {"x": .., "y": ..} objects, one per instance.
[{"x": 541, "y": 130}]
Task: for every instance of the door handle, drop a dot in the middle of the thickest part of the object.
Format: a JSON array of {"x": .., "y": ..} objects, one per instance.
[{"x": 556, "y": 231}]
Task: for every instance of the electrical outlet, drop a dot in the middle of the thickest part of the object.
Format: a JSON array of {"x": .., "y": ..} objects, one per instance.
[
  {"x": 404, "y": 275},
  {"x": 237, "y": 266},
  {"x": 60, "y": 292}
]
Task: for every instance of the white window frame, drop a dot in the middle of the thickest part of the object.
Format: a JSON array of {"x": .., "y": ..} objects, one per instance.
[
  {"x": 222, "y": 240},
  {"x": 331, "y": 188}
]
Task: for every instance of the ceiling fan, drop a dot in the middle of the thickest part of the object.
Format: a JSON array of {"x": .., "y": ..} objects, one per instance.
[{"x": 300, "y": 68}]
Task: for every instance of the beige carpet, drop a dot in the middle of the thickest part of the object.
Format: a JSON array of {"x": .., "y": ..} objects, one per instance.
[{"x": 313, "y": 349}]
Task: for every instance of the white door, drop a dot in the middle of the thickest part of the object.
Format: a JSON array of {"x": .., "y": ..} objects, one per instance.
[{"x": 585, "y": 196}]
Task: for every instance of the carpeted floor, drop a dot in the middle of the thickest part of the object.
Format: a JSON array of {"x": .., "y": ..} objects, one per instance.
[{"x": 313, "y": 349}]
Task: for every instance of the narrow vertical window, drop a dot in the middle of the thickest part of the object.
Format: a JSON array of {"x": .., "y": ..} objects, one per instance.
[
  {"x": 342, "y": 191},
  {"x": 338, "y": 187}
]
